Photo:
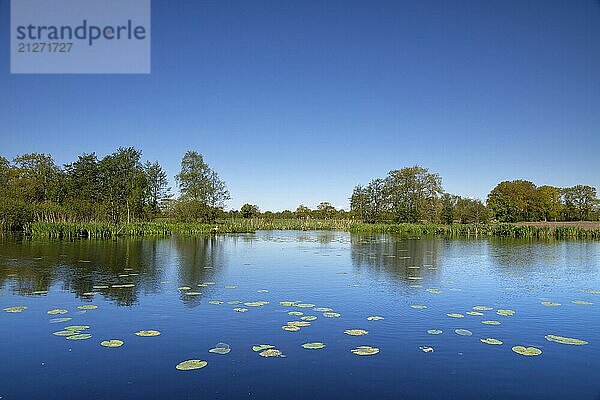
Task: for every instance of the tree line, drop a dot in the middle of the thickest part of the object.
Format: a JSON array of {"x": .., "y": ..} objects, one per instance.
[{"x": 121, "y": 187}]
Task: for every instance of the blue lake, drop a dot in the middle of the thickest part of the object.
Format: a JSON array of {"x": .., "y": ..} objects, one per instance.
[{"x": 553, "y": 288}]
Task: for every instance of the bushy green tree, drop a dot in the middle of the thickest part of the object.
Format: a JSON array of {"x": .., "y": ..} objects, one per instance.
[{"x": 249, "y": 211}]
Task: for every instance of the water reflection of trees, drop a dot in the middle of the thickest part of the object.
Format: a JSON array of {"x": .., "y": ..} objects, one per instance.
[
  {"x": 32, "y": 267},
  {"x": 403, "y": 259}
]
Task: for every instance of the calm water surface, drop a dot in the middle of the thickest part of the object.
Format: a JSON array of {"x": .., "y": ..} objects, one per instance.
[{"x": 356, "y": 275}]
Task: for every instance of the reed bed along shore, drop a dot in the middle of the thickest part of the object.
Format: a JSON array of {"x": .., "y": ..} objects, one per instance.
[{"x": 107, "y": 230}]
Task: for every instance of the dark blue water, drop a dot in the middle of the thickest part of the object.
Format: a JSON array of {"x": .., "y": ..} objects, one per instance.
[{"x": 356, "y": 275}]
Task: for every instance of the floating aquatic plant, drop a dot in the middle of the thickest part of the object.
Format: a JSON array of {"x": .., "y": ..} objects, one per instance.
[
  {"x": 256, "y": 303},
  {"x": 261, "y": 347},
  {"x": 308, "y": 318},
  {"x": 290, "y": 328},
  {"x": 215, "y": 302},
  {"x": 220, "y": 348},
  {"x": 88, "y": 307},
  {"x": 434, "y": 291},
  {"x": 418, "y": 306},
  {"x": 189, "y": 365},
  {"x": 550, "y": 304},
  {"x": 305, "y": 305},
  {"x": 506, "y": 313},
  {"x": 491, "y": 322},
  {"x": 491, "y": 341},
  {"x": 455, "y": 315},
  {"x": 60, "y": 320},
  {"x": 374, "y": 318},
  {"x": 482, "y": 308},
  {"x": 184, "y": 288},
  {"x": 565, "y": 340},
  {"x": 148, "y": 333},
  {"x": 296, "y": 313},
  {"x": 365, "y": 350},
  {"x": 582, "y": 302},
  {"x": 314, "y": 345},
  {"x": 240, "y": 309},
  {"x": 463, "y": 332},
  {"x": 287, "y": 303},
  {"x": 355, "y": 332},
  {"x": 434, "y": 331},
  {"x": 112, "y": 343},
  {"x": 16, "y": 309},
  {"x": 590, "y": 291},
  {"x": 332, "y": 314},
  {"x": 79, "y": 336},
  {"x": 426, "y": 349},
  {"x": 271, "y": 353},
  {"x": 57, "y": 311},
  {"x": 299, "y": 323},
  {"x": 322, "y": 309},
  {"x": 527, "y": 351}
]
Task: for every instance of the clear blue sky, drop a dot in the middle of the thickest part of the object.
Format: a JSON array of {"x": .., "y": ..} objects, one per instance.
[{"x": 298, "y": 101}]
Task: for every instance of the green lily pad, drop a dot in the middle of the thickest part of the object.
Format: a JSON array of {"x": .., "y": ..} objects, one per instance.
[
  {"x": 220, "y": 348},
  {"x": 434, "y": 331},
  {"x": 582, "y": 302},
  {"x": 426, "y": 349},
  {"x": 240, "y": 309},
  {"x": 314, "y": 345},
  {"x": 506, "y": 313},
  {"x": 290, "y": 328},
  {"x": 296, "y": 313},
  {"x": 112, "y": 343},
  {"x": 491, "y": 322},
  {"x": 148, "y": 333},
  {"x": 374, "y": 318},
  {"x": 418, "y": 306},
  {"x": 87, "y": 307},
  {"x": 184, "y": 288},
  {"x": 322, "y": 309},
  {"x": 305, "y": 305},
  {"x": 332, "y": 314},
  {"x": 491, "y": 341},
  {"x": 299, "y": 323},
  {"x": 79, "y": 336},
  {"x": 287, "y": 303},
  {"x": 355, "y": 332},
  {"x": 550, "y": 304},
  {"x": 565, "y": 340},
  {"x": 271, "y": 353},
  {"x": 64, "y": 333},
  {"x": 230, "y": 287},
  {"x": 463, "y": 332},
  {"x": 16, "y": 309},
  {"x": 256, "y": 303},
  {"x": 527, "y": 351},
  {"x": 482, "y": 308},
  {"x": 189, "y": 365},
  {"x": 192, "y": 293},
  {"x": 365, "y": 351},
  {"x": 261, "y": 347},
  {"x": 57, "y": 311},
  {"x": 234, "y": 302},
  {"x": 434, "y": 291},
  {"x": 215, "y": 302},
  {"x": 60, "y": 320},
  {"x": 308, "y": 318},
  {"x": 455, "y": 315},
  {"x": 77, "y": 327},
  {"x": 590, "y": 291},
  {"x": 475, "y": 313}
]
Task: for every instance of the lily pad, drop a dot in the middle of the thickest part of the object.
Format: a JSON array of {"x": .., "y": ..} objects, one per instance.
[
  {"x": 189, "y": 365},
  {"x": 271, "y": 353},
  {"x": 455, "y": 315},
  {"x": 308, "y": 318},
  {"x": 527, "y": 351},
  {"x": 60, "y": 320},
  {"x": 426, "y": 349},
  {"x": 148, "y": 333},
  {"x": 88, "y": 307},
  {"x": 112, "y": 343},
  {"x": 482, "y": 308},
  {"x": 184, "y": 288},
  {"x": 565, "y": 340},
  {"x": 79, "y": 336},
  {"x": 418, "y": 306},
  {"x": 296, "y": 313},
  {"x": 491, "y": 322},
  {"x": 322, "y": 309},
  {"x": 475, "y": 313},
  {"x": 463, "y": 332},
  {"x": 261, "y": 347},
  {"x": 290, "y": 328},
  {"x": 256, "y": 303},
  {"x": 57, "y": 311},
  {"x": 365, "y": 351},
  {"x": 192, "y": 293},
  {"x": 215, "y": 302},
  {"x": 287, "y": 303},
  {"x": 590, "y": 291},
  {"x": 299, "y": 323},
  {"x": 506, "y": 313},
  {"x": 305, "y": 305},
  {"x": 582, "y": 302},
  {"x": 16, "y": 309},
  {"x": 374, "y": 318},
  {"x": 220, "y": 348},
  {"x": 550, "y": 304},
  {"x": 491, "y": 341},
  {"x": 240, "y": 309},
  {"x": 77, "y": 328},
  {"x": 234, "y": 302},
  {"x": 314, "y": 345},
  {"x": 434, "y": 331},
  {"x": 64, "y": 333},
  {"x": 355, "y": 332},
  {"x": 330, "y": 314}
]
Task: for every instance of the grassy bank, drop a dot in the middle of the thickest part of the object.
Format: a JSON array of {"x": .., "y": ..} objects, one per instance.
[{"x": 106, "y": 230}]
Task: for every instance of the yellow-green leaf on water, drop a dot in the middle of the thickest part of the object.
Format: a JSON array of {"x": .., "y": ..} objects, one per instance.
[
  {"x": 475, "y": 313},
  {"x": 290, "y": 328},
  {"x": 88, "y": 307},
  {"x": 527, "y": 351},
  {"x": 426, "y": 349},
  {"x": 418, "y": 306},
  {"x": 491, "y": 322},
  {"x": 40, "y": 292},
  {"x": 355, "y": 332},
  {"x": 234, "y": 302},
  {"x": 60, "y": 320},
  {"x": 192, "y": 293},
  {"x": 565, "y": 340},
  {"x": 434, "y": 331},
  {"x": 112, "y": 343},
  {"x": 189, "y": 365},
  {"x": 100, "y": 287},
  {"x": 208, "y": 283},
  {"x": 16, "y": 309},
  {"x": 261, "y": 347},
  {"x": 305, "y": 305},
  {"x": 463, "y": 332},
  {"x": 76, "y": 328},
  {"x": 590, "y": 291},
  {"x": 271, "y": 353},
  {"x": 184, "y": 288},
  {"x": 550, "y": 304},
  {"x": 240, "y": 309},
  {"x": 79, "y": 336},
  {"x": 365, "y": 351},
  {"x": 582, "y": 302},
  {"x": 287, "y": 303},
  {"x": 215, "y": 302},
  {"x": 299, "y": 323},
  {"x": 64, "y": 333},
  {"x": 491, "y": 341},
  {"x": 295, "y": 313},
  {"x": 57, "y": 311},
  {"x": 262, "y": 291},
  {"x": 374, "y": 318},
  {"x": 256, "y": 303},
  {"x": 506, "y": 313},
  {"x": 482, "y": 308},
  {"x": 455, "y": 315},
  {"x": 313, "y": 345},
  {"x": 308, "y": 318},
  {"x": 332, "y": 314},
  {"x": 148, "y": 333}
]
